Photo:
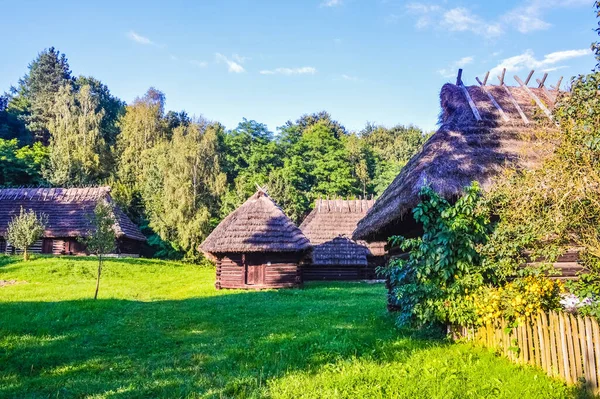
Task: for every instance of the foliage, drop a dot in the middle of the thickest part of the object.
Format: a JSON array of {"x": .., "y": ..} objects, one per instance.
[
  {"x": 183, "y": 185},
  {"x": 21, "y": 166},
  {"x": 100, "y": 240},
  {"x": 78, "y": 152},
  {"x": 35, "y": 95},
  {"x": 517, "y": 300},
  {"x": 548, "y": 209},
  {"x": 444, "y": 264},
  {"x": 162, "y": 330},
  {"x": 25, "y": 229}
]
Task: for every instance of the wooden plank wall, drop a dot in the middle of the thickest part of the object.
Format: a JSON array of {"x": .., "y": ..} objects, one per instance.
[
  {"x": 563, "y": 345},
  {"x": 283, "y": 271},
  {"x": 337, "y": 273},
  {"x": 567, "y": 264}
]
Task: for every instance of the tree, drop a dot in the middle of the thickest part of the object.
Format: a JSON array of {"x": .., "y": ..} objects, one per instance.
[
  {"x": 35, "y": 95},
  {"x": 78, "y": 152},
  {"x": 142, "y": 128},
  {"x": 111, "y": 107},
  {"x": 100, "y": 240},
  {"x": 183, "y": 186},
  {"x": 11, "y": 126},
  {"x": 25, "y": 229},
  {"x": 21, "y": 166}
]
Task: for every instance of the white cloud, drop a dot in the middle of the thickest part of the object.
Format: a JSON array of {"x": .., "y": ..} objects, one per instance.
[
  {"x": 136, "y": 37},
  {"x": 173, "y": 57},
  {"x": 331, "y": 3},
  {"x": 201, "y": 64},
  {"x": 451, "y": 70},
  {"x": 426, "y": 14},
  {"x": 527, "y": 60},
  {"x": 461, "y": 20},
  {"x": 232, "y": 66},
  {"x": 238, "y": 58},
  {"x": 349, "y": 77},
  {"x": 524, "y": 18},
  {"x": 290, "y": 71},
  {"x": 529, "y": 17}
]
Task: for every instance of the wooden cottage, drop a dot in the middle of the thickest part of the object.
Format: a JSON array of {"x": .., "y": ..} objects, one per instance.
[
  {"x": 335, "y": 256},
  {"x": 257, "y": 246},
  {"x": 68, "y": 212},
  {"x": 483, "y": 129}
]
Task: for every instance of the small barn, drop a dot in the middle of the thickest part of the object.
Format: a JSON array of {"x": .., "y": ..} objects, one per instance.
[
  {"x": 68, "y": 211},
  {"x": 257, "y": 246},
  {"x": 335, "y": 255}
]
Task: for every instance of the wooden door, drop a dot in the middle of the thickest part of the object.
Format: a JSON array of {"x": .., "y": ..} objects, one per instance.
[
  {"x": 47, "y": 245},
  {"x": 255, "y": 272}
]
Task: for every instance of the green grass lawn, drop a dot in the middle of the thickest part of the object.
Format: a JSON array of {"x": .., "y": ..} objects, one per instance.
[{"x": 160, "y": 329}]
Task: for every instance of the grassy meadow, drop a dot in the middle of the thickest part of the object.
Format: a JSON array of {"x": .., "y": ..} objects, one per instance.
[{"x": 160, "y": 329}]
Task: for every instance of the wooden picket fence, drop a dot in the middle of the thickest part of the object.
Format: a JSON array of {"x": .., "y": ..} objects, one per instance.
[{"x": 564, "y": 345}]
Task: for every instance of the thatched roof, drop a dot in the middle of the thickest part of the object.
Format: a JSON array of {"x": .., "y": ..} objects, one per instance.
[
  {"x": 68, "y": 210},
  {"x": 259, "y": 225},
  {"x": 329, "y": 228},
  {"x": 461, "y": 151}
]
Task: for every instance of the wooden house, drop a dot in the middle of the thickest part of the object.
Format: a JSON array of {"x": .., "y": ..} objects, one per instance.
[
  {"x": 257, "y": 246},
  {"x": 483, "y": 129},
  {"x": 335, "y": 255},
  {"x": 68, "y": 213}
]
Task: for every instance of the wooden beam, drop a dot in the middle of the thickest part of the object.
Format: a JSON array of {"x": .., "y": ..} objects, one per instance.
[
  {"x": 546, "y": 91},
  {"x": 493, "y": 100},
  {"x": 541, "y": 83},
  {"x": 459, "y": 77},
  {"x": 535, "y": 98},
  {"x": 515, "y": 103},
  {"x": 529, "y": 76},
  {"x": 470, "y": 101},
  {"x": 501, "y": 77},
  {"x": 485, "y": 79},
  {"x": 558, "y": 83}
]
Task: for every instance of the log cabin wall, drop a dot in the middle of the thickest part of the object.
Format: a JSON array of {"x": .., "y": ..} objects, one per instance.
[{"x": 256, "y": 271}]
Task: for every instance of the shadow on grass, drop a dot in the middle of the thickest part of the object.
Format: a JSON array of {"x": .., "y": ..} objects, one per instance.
[{"x": 223, "y": 345}]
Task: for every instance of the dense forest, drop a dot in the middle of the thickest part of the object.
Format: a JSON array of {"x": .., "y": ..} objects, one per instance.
[{"x": 176, "y": 175}]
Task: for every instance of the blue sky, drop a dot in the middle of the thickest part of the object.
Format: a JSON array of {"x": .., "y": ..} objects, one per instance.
[{"x": 380, "y": 61}]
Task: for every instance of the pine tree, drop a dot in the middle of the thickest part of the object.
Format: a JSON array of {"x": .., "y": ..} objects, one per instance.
[{"x": 37, "y": 91}]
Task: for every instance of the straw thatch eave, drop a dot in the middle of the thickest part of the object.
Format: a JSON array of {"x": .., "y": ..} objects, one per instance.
[
  {"x": 258, "y": 225},
  {"x": 463, "y": 150}
]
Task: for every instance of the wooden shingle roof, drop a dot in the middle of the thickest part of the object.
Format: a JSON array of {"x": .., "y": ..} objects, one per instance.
[
  {"x": 68, "y": 210},
  {"x": 258, "y": 225}
]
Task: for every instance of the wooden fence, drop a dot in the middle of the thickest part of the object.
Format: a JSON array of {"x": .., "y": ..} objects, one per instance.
[{"x": 564, "y": 345}]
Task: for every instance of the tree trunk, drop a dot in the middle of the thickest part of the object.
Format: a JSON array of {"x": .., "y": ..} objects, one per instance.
[
  {"x": 98, "y": 279},
  {"x": 25, "y": 255}
]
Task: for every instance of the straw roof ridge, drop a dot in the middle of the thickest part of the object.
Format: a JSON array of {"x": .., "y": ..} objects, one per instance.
[
  {"x": 258, "y": 225},
  {"x": 68, "y": 210},
  {"x": 461, "y": 151}
]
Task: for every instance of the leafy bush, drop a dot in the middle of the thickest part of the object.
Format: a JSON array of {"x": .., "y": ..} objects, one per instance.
[{"x": 444, "y": 264}]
